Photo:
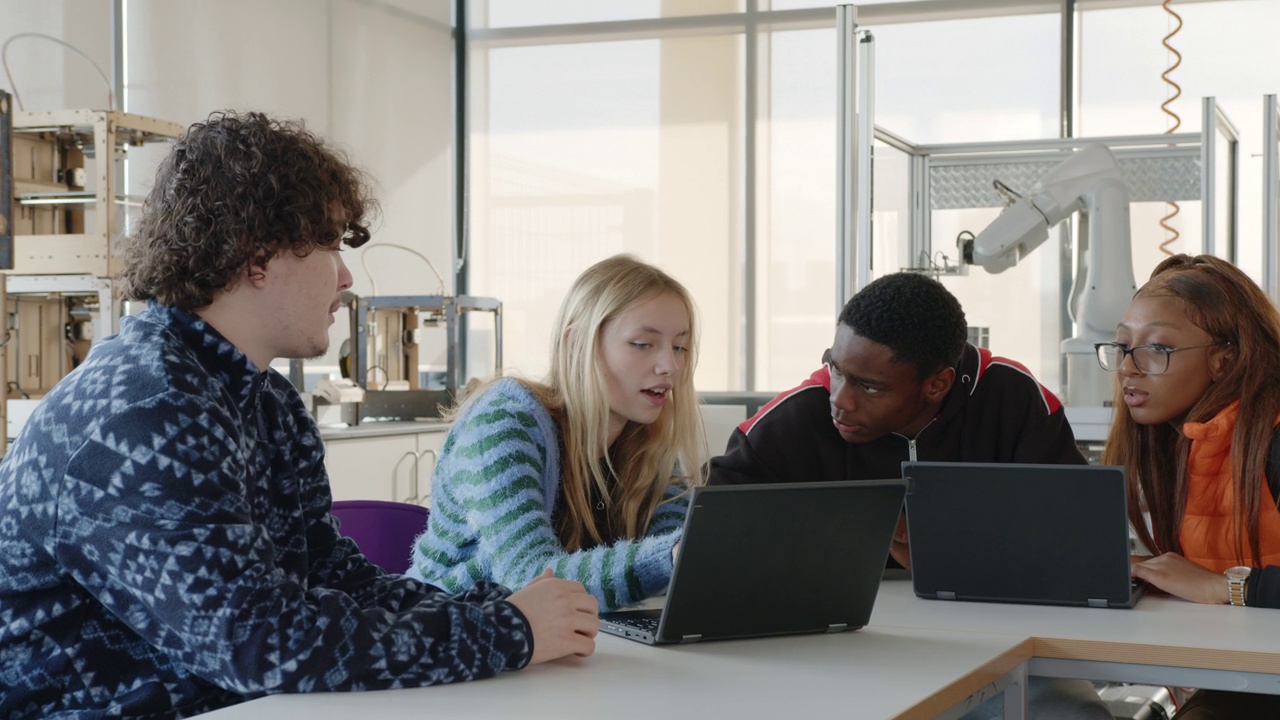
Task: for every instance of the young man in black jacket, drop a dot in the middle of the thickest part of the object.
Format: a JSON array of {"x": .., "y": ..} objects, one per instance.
[{"x": 901, "y": 382}]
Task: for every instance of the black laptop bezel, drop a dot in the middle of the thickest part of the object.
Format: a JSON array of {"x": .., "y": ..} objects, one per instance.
[
  {"x": 1064, "y": 544},
  {"x": 755, "y": 576}
]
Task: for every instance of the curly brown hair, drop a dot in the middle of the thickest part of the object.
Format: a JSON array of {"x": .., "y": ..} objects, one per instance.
[{"x": 233, "y": 192}]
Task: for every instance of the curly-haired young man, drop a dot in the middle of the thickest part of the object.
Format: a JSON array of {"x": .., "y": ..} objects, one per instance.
[{"x": 168, "y": 545}]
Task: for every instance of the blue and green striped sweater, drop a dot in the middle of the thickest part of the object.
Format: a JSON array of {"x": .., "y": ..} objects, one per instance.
[{"x": 492, "y": 497}]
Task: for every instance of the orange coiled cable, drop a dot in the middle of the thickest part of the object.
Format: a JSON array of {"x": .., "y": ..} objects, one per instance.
[{"x": 1172, "y": 233}]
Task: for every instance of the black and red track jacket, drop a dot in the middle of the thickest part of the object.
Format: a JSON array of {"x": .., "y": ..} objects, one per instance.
[{"x": 996, "y": 412}]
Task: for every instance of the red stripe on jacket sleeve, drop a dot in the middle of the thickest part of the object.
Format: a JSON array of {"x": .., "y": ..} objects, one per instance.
[
  {"x": 985, "y": 360},
  {"x": 820, "y": 378}
]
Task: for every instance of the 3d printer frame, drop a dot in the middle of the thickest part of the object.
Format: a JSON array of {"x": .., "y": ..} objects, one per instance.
[{"x": 394, "y": 325}]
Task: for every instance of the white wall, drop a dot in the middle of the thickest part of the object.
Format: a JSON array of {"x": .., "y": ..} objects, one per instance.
[
  {"x": 373, "y": 76},
  {"x": 187, "y": 58},
  {"x": 47, "y": 75}
]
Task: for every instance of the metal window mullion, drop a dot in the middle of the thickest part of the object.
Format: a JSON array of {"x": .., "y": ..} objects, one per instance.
[
  {"x": 119, "y": 33},
  {"x": 1066, "y": 99},
  {"x": 919, "y": 223},
  {"x": 864, "y": 151},
  {"x": 1067, "y": 69},
  {"x": 1011, "y": 146},
  {"x": 1233, "y": 200},
  {"x": 846, "y": 152},
  {"x": 751, "y": 72},
  {"x": 461, "y": 189},
  {"x": 648, "y": 28},
  {"x": 1271, "y": 197},
  {"x": 1223, "y": 124},
  {"x": 457, "y": 359},
  {"x": 1208, "y": 171},
  {"x": 890, "y": 13}
]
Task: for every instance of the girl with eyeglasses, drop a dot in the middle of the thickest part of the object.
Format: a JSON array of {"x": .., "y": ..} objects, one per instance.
[{"x": 1197, "y": 362}]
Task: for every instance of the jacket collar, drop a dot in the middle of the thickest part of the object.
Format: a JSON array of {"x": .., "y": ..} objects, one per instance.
[
  {"x": 968, "y": 371},
  {"x": 1211, "y": 440},
  {"x": 222, "y": 360}
]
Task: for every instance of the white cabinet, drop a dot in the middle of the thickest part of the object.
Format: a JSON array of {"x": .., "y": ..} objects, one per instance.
[
  {"x": 719, "y": 422},
  {"x": 387, "y": 466},
  {"x": 394, "y": 461},
  {"x": 428, "y": 454}
]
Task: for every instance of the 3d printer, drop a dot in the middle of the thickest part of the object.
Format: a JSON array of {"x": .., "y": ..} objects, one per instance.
[
  {"x": 62, "y": 204},
  {"x": 384, "y": 355}
]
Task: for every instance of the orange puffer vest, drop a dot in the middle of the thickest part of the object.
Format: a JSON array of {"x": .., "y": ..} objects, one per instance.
[{"x": 1208, "y": 528}]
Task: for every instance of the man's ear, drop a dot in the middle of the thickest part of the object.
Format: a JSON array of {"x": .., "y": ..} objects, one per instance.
[
  {"x": 937, "y": 385},
  {"x": 255, "y": 276},
  {"x": 255, "y": 271}
]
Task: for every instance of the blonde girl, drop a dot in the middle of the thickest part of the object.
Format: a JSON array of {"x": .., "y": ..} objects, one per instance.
[{"x": 587, "y": 471}]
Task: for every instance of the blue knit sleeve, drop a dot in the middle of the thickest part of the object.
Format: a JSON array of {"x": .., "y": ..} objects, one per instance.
[
  {"x": 669, "y": 515},
  {"x": 490, "y": 517},
  {"x": 182, "y": 561}
]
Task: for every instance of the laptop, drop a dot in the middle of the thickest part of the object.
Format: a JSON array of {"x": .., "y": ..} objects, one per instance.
[
  {"x": 772, "y": 559},
  {"x": 1045, "y": 534}
]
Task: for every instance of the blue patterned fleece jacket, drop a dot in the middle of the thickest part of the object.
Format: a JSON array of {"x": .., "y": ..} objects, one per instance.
[
  {"x": 166, "y": 548},
  {"x": 493, "y": 495}
]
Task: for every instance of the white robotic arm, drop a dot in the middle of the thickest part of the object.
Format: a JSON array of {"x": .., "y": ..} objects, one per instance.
[
  {"x": 1022, "y": 226},
  {"x": 1090, "y": 182}
]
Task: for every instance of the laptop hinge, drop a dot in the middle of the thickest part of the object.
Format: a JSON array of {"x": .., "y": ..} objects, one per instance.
[
  {"x": 946, "y": 595},
  {"x": 837, "y": 627},
  {"x": 691, "y": 638},
  {"x": 1095, "y": 602}
]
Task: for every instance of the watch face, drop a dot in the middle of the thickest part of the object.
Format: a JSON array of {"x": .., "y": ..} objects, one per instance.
[{"x": 1238, "y": 572}]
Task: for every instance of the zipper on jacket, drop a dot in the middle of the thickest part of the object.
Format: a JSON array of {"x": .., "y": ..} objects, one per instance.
[{"x": 911, "y": 441}]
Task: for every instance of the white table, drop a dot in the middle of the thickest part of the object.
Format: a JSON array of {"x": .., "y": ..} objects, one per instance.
[
  {"x": 871, "y": 673},
  {"x": 917, "y": 659},
  {"x": 1162, "y": 641}
]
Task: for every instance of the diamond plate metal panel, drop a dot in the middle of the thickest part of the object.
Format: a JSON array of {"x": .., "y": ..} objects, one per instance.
[
  {"x": 1162, "y": 179},
  {"x": 954, "y": 187}
]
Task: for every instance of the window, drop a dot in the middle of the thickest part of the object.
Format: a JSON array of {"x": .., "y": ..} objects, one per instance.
[
  {"x": 700, "y": 135},
  {"x": 592, "y": 149},
  {"x": 1229, "y": 53}
]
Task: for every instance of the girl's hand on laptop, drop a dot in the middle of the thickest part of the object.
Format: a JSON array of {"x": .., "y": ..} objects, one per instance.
[{"x": 1179, "y": 576}]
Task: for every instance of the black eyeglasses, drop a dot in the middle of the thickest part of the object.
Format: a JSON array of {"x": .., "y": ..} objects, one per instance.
[
  {"x": 1148, "y": 359},
  {"x": 353, "y": 236}
]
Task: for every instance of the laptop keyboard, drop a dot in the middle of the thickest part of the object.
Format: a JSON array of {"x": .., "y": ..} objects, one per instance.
[{"x": 646, "y": 624}]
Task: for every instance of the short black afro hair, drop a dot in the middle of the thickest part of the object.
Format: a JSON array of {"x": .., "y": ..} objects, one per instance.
[{"x": 913, "y": 315}]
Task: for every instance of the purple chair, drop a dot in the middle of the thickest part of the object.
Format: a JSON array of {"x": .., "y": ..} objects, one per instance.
[{"x": 383, "y": 530}]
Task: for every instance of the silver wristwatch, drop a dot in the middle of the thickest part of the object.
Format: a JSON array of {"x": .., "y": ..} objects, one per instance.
[{"x": 1236, "y": 578}]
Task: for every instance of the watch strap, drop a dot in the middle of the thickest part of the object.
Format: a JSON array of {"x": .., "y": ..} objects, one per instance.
[{"x": 1236, "y": 590}]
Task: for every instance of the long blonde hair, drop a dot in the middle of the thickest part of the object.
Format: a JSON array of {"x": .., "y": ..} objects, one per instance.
[{"x": 646, "y": 459}]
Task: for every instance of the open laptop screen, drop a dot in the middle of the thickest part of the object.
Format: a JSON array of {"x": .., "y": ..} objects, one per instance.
[
  {"x": 776, "y": 559},
  {"x": 1055, "y": 534}
]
